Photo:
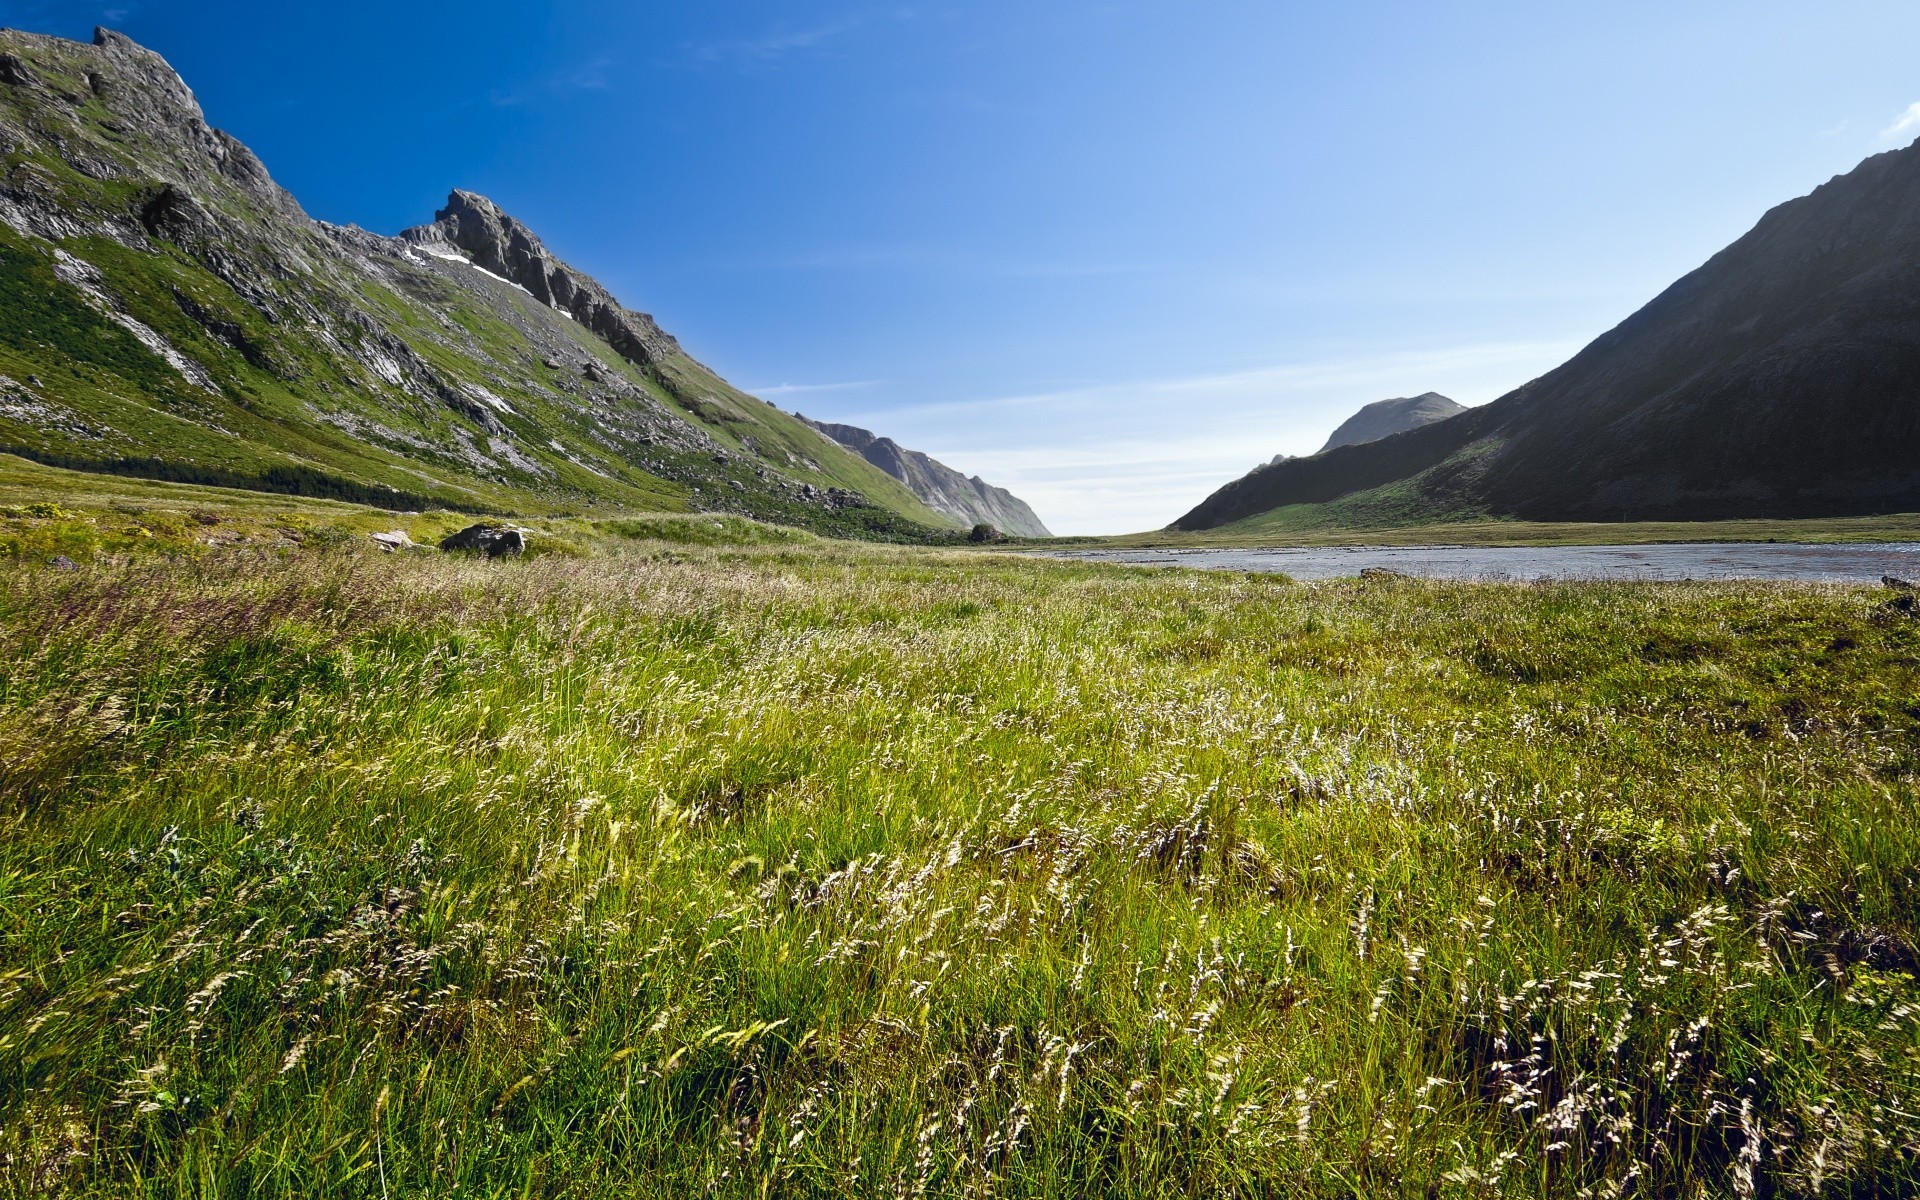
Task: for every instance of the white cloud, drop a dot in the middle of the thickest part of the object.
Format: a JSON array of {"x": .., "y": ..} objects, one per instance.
[{"x": 1906, "y": 125}]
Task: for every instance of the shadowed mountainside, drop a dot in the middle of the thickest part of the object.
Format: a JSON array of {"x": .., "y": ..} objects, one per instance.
[{"x": 1779, "y": 380}]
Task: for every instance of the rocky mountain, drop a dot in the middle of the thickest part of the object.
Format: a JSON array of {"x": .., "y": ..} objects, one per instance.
[
  {"x": 167, "y": 310},
  {"x": 1780, "y": 379},
  {"x": 970, "y": 501},
  {"x": 1384, "y": 418}
]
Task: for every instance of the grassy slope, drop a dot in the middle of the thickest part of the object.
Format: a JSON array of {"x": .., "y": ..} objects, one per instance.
[
  {"x": 104, "y": 397},
  {"x": 812, "y": 870},
  {"x": 47, "y": 511},
  {"x": 740, "y": 422},
  {"x": 138, "y": 407},
  {"x": 1395, "y": 515},
  {"x": 1402, "y": 514}
]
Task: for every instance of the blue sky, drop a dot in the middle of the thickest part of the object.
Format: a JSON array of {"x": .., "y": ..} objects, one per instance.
[{"x": 1106, "y": 254}]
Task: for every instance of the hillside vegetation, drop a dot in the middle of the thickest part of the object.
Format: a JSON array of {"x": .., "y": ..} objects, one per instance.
[
  {"x": 818, "y": 870},
  {"x": 172, "y": 313}
]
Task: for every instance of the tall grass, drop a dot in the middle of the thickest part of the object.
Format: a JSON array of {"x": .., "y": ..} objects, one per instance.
[{"x": 811, "y": 871}]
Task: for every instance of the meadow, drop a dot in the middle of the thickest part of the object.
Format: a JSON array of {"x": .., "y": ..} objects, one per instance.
[{"x": 817, "y": 870}]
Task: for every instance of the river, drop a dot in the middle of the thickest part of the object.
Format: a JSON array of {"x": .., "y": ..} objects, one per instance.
[{"x": 1831, "y": 563}]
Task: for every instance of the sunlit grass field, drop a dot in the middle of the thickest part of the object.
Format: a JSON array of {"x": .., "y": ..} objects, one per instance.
[{"x": 817, "y": 871}]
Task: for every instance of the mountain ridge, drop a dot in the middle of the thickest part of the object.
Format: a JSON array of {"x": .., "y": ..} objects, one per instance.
[
  {"x": 177, "y": 314},
  {"x": 1780, "y": 379},
  {"x": 969, "y": 500}
]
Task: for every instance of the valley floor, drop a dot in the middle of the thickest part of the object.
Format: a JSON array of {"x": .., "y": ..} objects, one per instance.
[
  {"x": 815, "y": 870},
  {"x": 1899, "y": 527}
]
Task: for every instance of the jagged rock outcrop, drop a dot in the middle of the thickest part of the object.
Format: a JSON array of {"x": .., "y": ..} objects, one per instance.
[
  {"x": 496, "y": 242},
  {"x": 174, "y": 313},
  {"x": 1384, "y": 418},
  {"x": 971, "y": 501},
  {"x": 1781, "y": 379}
]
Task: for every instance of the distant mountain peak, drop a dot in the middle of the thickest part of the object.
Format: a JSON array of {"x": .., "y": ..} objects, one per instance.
[
  {"x": 969, "y": 500},
  {"x": 496, "y": 242},
  {"x": 1384, "y": 418}
]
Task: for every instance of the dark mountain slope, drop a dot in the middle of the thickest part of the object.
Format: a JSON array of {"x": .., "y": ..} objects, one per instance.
[
  {"x": 970, "y": 501},
  {"x": 1781, "y": 379},
  {"x": 167, "y": 310},
  {"x": 1384, "y": 418}
]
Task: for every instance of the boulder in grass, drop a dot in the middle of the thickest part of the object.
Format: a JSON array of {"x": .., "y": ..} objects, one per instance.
[
  {"x": 494, "y": 541},
  {"x": 393, "y": 540},
  {"x": 1904, "y": 603}
]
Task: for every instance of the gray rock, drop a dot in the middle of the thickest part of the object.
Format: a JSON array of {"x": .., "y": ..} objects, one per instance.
[
  {"x": 971, "y": 501},
  {"x": 393, "y": 540},
  {"x": 1384, "y": 418},
  {"x": 497, "y": 242},
  {"x": 494, "y": 541},
  {"x": 61, "y": 562},
  {"x": 1899, "y": 585}
]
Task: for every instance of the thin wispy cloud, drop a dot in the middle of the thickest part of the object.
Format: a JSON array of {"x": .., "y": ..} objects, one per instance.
[
  {"x": 799, "y": 389},
  {"x": 593, "y": 75},
  {"x": 1906, "y": 125},
  {"x": 933, "y": 259},
  {"x": 787, "y": 40},
  {"x": 1268, "y": 381}
]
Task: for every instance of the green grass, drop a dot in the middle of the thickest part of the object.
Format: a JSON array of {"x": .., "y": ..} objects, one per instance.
[
  {"x": 90, "y": 517},
  {"x": 815, "y": 870},
  {"x": 291, "y": 366},
  {"x": 48, "y": 511}
]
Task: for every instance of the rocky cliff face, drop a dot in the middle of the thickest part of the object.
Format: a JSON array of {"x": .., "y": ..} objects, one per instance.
[
  {"x": 490, "y": 239},
  {"x": 170, "y": 311},
  {"x": 970, "y": 501},
  {"x": 1384, "y": 418},
  {"x": 1781, "y": 379}
]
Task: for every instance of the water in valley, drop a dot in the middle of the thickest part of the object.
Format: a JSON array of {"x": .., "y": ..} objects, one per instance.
[{"x": 1833, "y": 563}]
